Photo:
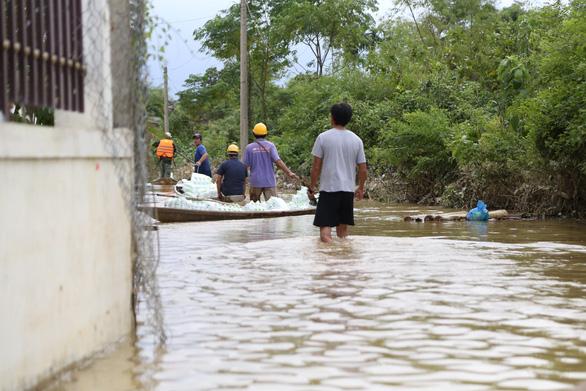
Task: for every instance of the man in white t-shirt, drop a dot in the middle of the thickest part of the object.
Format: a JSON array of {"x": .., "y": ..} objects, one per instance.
[{"x": 336, "y": 153}]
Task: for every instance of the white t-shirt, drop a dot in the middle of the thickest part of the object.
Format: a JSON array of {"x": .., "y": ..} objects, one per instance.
[{"x": 341, "y": 151}]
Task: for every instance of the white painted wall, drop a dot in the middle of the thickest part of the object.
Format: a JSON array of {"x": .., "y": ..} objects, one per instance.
[
  {"x": 65, "y": 251},
  {"x": 65, "y": 231}
]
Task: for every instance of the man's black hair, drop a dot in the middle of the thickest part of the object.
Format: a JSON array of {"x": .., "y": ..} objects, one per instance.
[
  {"x": 197, "y": 135},
  {"x": 260, "y": 135},
  {"x": 342, "y": 113},
  {"x": 232, "y": 154}
]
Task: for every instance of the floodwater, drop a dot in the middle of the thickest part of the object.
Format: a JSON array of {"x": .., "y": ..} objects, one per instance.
[{"x": 263, "y": 305}]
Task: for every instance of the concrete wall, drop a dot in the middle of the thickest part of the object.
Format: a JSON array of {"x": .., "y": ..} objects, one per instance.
[
  {"x": 65, "y": 251},
  {"x": 65, "y": 233}
]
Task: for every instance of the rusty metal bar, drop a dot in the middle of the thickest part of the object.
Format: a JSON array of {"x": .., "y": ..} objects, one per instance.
[
  {"x": 66, "y": 30},
  {"x": 73, "y": 40},
  {"x": 46, "y": 67},
  {"x": 28, "y": 16},
  {"x": 4, "y": 63},
  {"x": 13, "y": 87},
  {"x": 78, "y": 56},
  {"x": 39, "y": 69},
  {"x": 52, "y": 43},
  {"x": 59, "y": 53},
  {"x": 22, "y": 57},
  {"x": 41, "y": 54},
  {"x": 30, "y": 33}
]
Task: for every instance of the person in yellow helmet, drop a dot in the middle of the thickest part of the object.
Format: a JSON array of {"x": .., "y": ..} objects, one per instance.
[
  {"x": 232, "y": 177},
  {"x": 259, "y": 156},
  {"x": 165, "y": 152}
]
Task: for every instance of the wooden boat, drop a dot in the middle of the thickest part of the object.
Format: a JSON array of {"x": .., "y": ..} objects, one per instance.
[
  {"x": 175, "y": 215},
  {"x": 164, "y": 182}
]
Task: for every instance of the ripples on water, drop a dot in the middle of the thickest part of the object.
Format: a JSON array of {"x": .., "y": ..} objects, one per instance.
[{"x": 263, "y": 305}]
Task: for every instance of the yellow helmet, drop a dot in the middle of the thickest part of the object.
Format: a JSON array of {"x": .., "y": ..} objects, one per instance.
[
  {"x": 232, "y": 148},
  {"x": 260, "y": 129}
]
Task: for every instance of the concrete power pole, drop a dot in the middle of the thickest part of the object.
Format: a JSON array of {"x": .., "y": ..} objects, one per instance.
[
  {"x": 166, "y": 102},
  {"x": 243, "y": 79}
]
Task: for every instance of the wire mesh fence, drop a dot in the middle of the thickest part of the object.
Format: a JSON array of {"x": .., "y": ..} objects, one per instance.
[
  {"x": 128, "y": 56},
  {"x": 89, "y": 56}
]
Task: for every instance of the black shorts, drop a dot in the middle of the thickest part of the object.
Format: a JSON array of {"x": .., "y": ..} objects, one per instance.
[{"x": 334, "y": 209}]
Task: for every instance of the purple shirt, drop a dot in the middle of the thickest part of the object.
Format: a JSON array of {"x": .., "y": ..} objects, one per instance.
[{"x": 262, "y": 172}]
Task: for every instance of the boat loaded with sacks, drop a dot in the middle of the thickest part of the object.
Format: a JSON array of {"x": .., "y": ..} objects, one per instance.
[{"x": 194, "y": 202}]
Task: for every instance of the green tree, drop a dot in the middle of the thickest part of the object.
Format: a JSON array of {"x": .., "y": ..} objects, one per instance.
[
  {"x": 513, "y": 75},
  {"x": 326, "y": 25},
  {"x": 267, "y": 50},
  {"x": 210, "y": 96},
  {"x": 556, "y": 113}
]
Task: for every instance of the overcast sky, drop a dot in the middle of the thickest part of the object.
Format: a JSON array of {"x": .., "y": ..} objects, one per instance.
[{"x": 182, "y": 56}]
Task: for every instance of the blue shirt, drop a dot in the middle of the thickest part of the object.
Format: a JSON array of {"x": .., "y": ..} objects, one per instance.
[
  {"x": 205, "y": 166},
  {"x": 233, "y": 175}
]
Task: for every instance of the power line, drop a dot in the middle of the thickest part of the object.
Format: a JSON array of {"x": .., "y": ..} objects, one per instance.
[{"x": 191, "y": 20}]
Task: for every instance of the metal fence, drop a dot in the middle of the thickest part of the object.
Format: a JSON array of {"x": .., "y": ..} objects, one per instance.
[
  {"x": 42, "y": 65},
  {"x": 41, "y": 59}
]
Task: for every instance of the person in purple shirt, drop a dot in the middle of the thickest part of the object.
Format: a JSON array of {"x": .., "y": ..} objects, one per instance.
[{"x": 259, "y": 157}]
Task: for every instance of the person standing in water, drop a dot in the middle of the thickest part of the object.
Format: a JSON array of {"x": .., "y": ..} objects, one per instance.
[
  {"x": 202, "y": 162},
  {"x": 336, "y": 153},
  {"x": 259, "y": 156},
  {"x": 166, "y": 153}
]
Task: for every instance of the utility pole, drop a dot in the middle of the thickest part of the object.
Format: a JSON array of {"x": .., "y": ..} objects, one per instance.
[
  {"x": 166, "y": 102},
  {"x": 243, "y": 78}
]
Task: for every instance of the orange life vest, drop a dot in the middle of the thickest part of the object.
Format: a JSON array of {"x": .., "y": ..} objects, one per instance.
[{"x": 165, "y": 148}]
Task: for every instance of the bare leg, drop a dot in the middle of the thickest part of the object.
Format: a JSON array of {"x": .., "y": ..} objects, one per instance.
[
  {"x": 325, "y": 234},
  {"x": 342, "y": 231}
]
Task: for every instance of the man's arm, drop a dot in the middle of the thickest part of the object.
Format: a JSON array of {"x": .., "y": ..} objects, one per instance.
[
  {"x": 287, "y": 171},
  {"x": 245, "y": 183},
  {"x": 362, "y": 172},
  {"x": 202, "y": 159},
  {"x": 219, "y": 186},
  {"x": 315, "y": 173}
]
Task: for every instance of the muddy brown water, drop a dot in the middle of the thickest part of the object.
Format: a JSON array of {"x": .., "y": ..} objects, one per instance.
[{"x": 263, "y": 305}]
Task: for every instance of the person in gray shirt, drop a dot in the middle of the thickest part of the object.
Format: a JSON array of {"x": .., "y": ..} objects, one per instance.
[{"x": 336, "y": 153}]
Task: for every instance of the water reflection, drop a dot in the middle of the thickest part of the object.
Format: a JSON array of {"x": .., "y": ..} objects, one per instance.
[
  {"x": 264, "y": 305},
  {"x": 478, "y": 229}
]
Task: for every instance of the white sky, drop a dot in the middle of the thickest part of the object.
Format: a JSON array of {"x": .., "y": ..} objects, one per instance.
[{"x": 182, "y": 56}]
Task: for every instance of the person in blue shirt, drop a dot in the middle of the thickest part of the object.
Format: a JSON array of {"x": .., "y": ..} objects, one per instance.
[
  {"x": 232, "y": 177},
  {"x": 202, "y": 163}
]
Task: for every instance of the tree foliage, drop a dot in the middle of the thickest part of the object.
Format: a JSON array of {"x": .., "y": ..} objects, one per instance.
[
  {"x": 454, "y": 102},
  {"x": 327, "y": 25}
]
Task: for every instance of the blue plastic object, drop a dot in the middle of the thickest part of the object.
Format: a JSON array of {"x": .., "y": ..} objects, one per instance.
[{"x": 480, "y": 213}]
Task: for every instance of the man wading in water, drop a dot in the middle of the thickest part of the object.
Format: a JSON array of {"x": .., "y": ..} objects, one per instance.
[{"x": 336, "y": 153}]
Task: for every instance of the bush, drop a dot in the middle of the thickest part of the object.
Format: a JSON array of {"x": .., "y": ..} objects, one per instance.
[{"x": 416, "y": 148}]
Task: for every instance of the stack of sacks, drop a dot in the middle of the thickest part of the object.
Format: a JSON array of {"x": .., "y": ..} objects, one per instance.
[
  {"x": 298, "y": 205},
  {"x": 216, "y": 206},
  {"x": 183, "y": 203},
  {"x": 301, "y": 196},
  {"x": 200, "y": 186},
  {"x": 255, "y": 206},
  {"x": 298, "y": 201},
  {"x": 276, "y": 203}
]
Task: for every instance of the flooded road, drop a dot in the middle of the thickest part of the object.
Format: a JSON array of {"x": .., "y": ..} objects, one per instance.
[{"x": 263, "y": 305}]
